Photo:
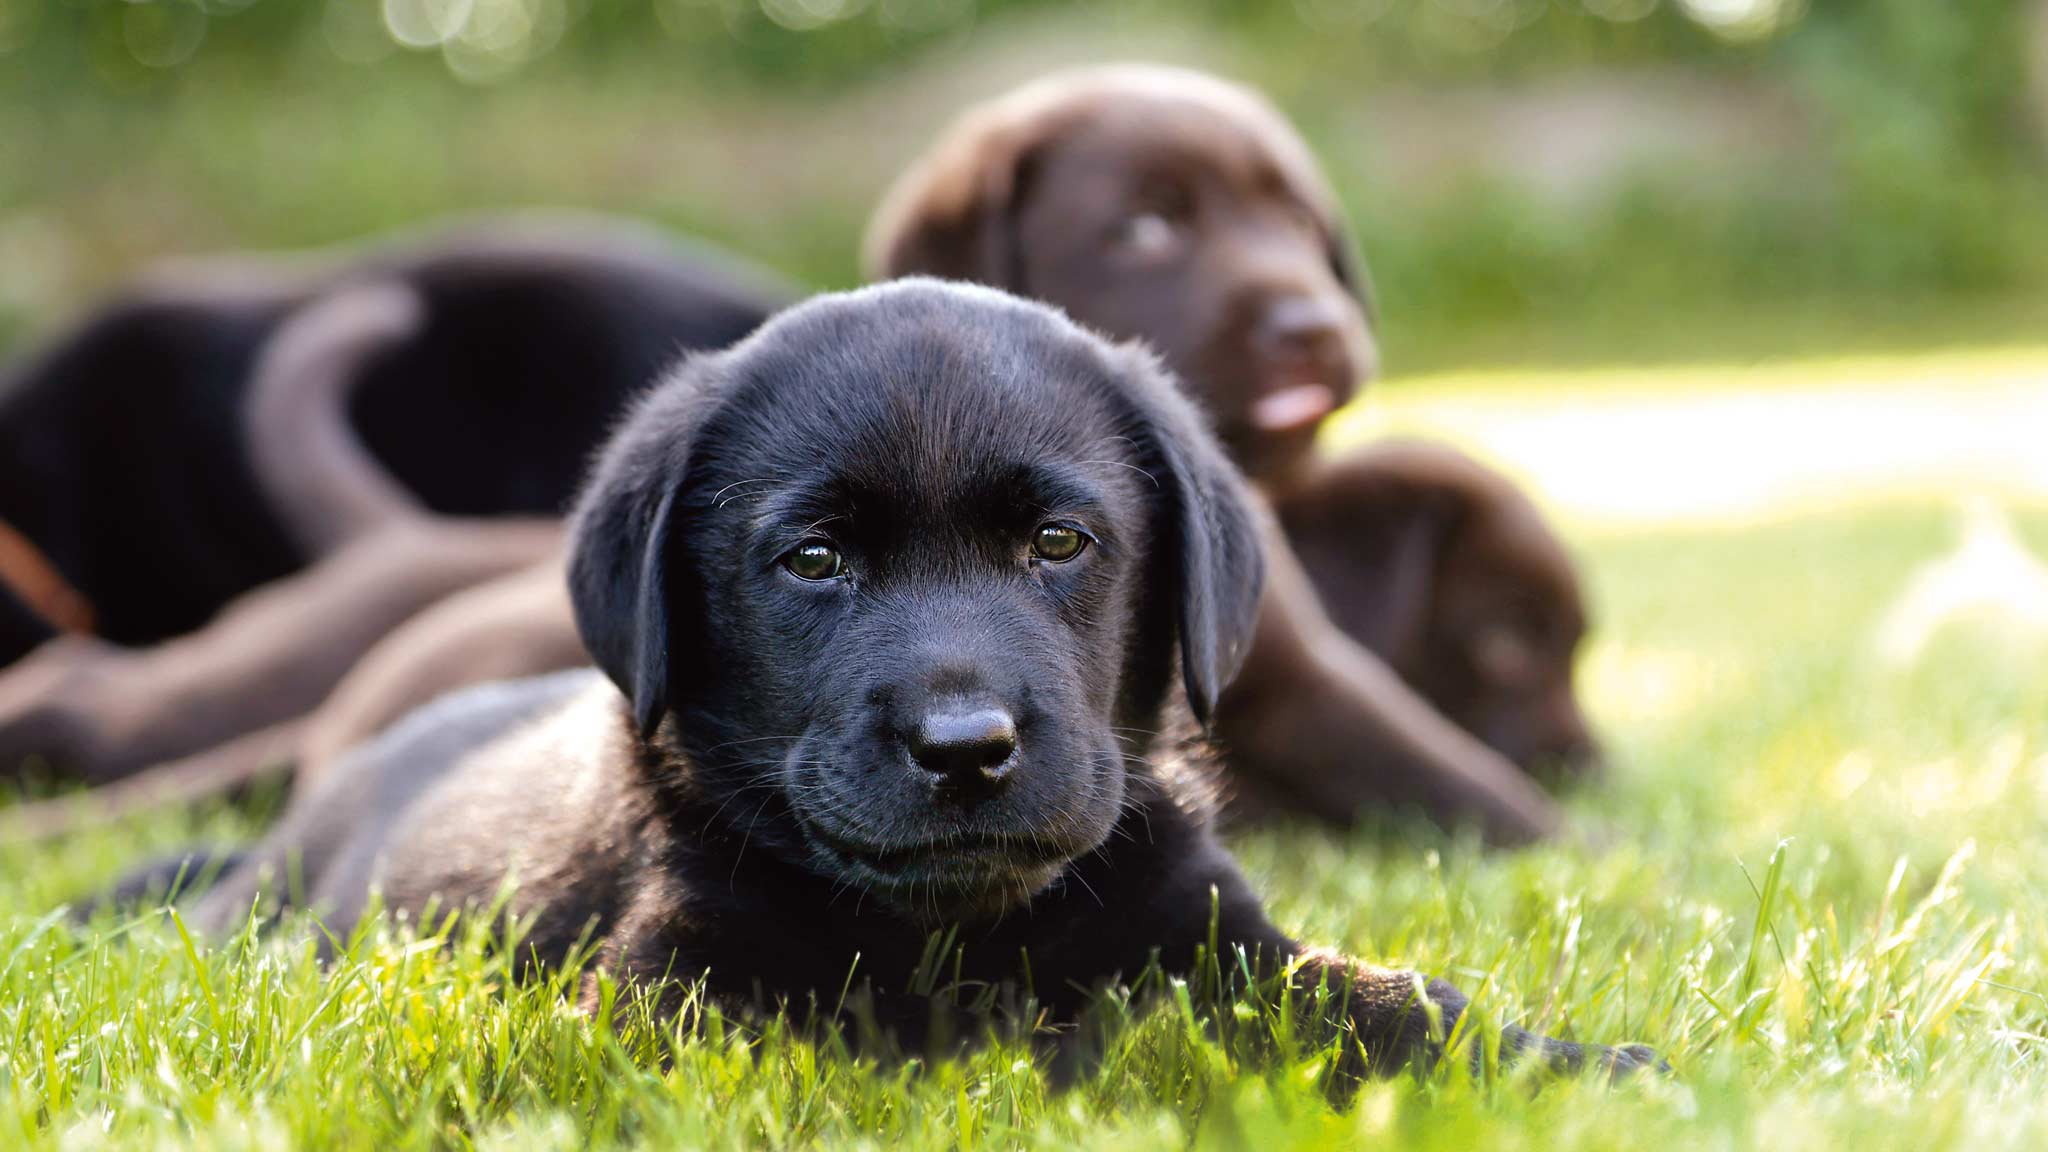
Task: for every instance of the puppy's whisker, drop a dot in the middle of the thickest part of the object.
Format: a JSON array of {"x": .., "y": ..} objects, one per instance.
[
  {"x": 732, "y": 881},
  {"x": 1088, "y": 888},
  {"x": 750, "y": 740},
  {"x": 735, "y": 795}
]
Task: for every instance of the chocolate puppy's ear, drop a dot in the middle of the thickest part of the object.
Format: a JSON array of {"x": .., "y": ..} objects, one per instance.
[
  {"x": 953, "y": 214},
  {"x": 620, "y": 571},
  {"x": 1219, "y": 567},
  {"x": 1351, "y": 270},
  {"x": 1401, "y": 551}
]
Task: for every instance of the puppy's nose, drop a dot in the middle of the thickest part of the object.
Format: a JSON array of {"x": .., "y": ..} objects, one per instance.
[
  {"x": 965, "y": 746},
  {"x": 1299, "y": 327},
  {"x": 1581, "y": 759}
]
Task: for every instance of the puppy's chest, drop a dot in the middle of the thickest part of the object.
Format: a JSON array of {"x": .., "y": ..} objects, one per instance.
[
  {"x": 886, "y": 971},
  {"x": 764, "y": 935}
]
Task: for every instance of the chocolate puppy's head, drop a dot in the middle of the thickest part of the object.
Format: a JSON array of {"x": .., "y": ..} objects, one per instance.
[
  {"x": 1474, "y": 601},
  {"x": 911, "y": 578},
  {"x": 1162, "y": 205}
]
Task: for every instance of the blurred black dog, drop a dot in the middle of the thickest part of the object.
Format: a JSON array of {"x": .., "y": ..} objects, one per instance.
[
  {"x": 904, "y": 603},
  {"x": 397, "y": 425},
  {"x": 125, "y": 469}
]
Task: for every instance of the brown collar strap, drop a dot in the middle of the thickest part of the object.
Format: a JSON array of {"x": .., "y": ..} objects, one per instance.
[{"x": 30, "y": 575}]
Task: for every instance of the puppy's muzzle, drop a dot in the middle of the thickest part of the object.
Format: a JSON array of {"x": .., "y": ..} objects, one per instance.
[{"x": 1302, "y": 330}]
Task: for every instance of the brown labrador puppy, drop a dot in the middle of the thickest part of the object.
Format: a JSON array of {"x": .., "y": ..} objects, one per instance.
[
  {"x": 1177, "y": 208},
  {"x": 1473, "y": 599}
]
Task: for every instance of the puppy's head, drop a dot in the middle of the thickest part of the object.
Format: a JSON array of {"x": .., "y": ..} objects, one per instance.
[
  {"x": 1162, "y": 205},
  {"x": 910, "y": 577},
  {"x": 1479, "y": 606}
]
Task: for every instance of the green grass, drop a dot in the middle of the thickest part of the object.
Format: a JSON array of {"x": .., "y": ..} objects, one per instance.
[{"x": 1813, "y": 883}]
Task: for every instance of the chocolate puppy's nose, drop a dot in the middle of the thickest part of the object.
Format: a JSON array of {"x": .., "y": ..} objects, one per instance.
[
  {"x": 965, "y": 746},
  {"x": 1578, "y": 759},
  {"x": 1301, "y": 327}
]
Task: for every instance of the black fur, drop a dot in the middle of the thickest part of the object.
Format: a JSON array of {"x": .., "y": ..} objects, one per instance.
[
  {"x": 121, "y": 442},
  {"x": 22, "y": 628},
  {"x": 755, "y": 808}
]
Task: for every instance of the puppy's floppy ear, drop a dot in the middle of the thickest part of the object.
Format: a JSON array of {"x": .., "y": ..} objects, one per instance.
[
  {"x": 1350, "y": 268},
  {"x": 1403, "y": 548},
  {"x": 953, "y": 214},
  {"x": 620, "y": 572},
  {"x": 1219, "y": 566}
]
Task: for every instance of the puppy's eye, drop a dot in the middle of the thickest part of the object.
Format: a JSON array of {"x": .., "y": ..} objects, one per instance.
[
  {"x": 1503, "y": 654},
  {"x": 814, "y": 560},
  {"x": 1057, "y": 543},
  {"x": 1148, "y": 234}
]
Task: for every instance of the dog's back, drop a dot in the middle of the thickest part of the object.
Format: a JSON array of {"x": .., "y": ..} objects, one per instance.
[{"x": 122, "y": 450}]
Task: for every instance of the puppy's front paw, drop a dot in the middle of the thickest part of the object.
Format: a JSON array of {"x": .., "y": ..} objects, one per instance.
[
  {"x": 51, "y": 706},
  {"x": 1568, "y": 1059},
  {"x": 1630, "y": 1059}
]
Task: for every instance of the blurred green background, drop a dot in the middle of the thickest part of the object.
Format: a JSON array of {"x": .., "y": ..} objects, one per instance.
[
  {"x": 1814, "y": 879},
  {"x": 1534, "y": 181}
]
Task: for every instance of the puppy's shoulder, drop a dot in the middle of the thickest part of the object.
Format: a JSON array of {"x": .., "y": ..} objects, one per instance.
[
  {"x": 552, "y": 744},
  {"x": 529, "y": 784}
]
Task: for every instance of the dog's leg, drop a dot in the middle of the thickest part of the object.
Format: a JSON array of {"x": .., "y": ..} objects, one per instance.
[
  {"x": 106, "y": 713},
  {"x": 1323, "y": 724},
  {"x": 1390, "y": 1019},
  {"x": 515, "y": 626},
  {"x": 214, "y": 772},
  {"x": 164, "y": 880}
]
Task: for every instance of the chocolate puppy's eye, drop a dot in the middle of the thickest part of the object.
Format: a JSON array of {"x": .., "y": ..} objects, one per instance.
[
  {"x": 1147, "y": 233},
  {"x": 1503, "y": 654},
  {"x": 1057, "y": 543},
  {"x": 814, "y": 560}
]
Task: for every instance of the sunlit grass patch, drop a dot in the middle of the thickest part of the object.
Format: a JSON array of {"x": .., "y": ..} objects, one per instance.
[{"x": 1736, "y": 445}]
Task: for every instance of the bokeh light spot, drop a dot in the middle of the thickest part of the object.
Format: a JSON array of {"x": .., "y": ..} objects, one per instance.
[
  {"x": 1744, "y": 19},
  {"x": 163, "y": 33},
  {"x": 806, "y": 15},
  {"x": 425, "y": 23},
  {"x": 1621, "y": 11}
]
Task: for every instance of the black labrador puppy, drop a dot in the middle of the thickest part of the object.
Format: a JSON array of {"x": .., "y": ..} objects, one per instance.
[{"x": 902, "y": 607}]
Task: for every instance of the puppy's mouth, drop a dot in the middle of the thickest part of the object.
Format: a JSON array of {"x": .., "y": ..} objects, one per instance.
[
  {"x": 968, "y": 855},
  {"x": 973, "y": 868},
  {"x": 1292, "y": 406},
  {"x": 1295, "y": 398}
]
